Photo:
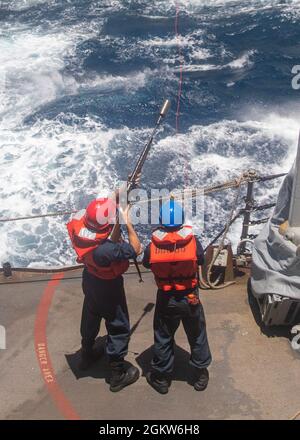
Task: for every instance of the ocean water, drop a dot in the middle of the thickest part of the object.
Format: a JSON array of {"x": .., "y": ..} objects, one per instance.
[{"x": 81, "y": 82}]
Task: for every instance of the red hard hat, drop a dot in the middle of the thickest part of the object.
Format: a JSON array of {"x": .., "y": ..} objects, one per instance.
[{"x": 100, "y": 214}]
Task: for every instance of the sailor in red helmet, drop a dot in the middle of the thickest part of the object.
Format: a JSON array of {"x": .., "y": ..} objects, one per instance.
[
  {"x": 173, "y": 256},
  {"x": 106, "y": 256}
]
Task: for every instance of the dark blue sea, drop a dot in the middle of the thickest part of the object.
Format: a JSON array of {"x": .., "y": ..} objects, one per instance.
[{"x": 81, "y": 83}]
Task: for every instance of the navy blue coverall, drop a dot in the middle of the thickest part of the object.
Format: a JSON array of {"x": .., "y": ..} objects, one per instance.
[
  {"x": 105, "y": 299},
  {"x": 171, "y": 309}
]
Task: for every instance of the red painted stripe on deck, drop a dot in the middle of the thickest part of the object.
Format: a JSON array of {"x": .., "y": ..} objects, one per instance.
[{"x": 43, "y": 356}]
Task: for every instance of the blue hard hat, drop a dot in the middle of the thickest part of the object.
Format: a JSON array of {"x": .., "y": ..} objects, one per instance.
[{"x": 171, "y": 215}]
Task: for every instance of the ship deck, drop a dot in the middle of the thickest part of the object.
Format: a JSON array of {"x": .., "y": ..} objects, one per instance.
[{"x": 254, "y": 374}]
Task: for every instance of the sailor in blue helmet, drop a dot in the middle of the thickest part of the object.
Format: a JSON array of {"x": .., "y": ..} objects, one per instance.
[{"x": 173, "y": 256}]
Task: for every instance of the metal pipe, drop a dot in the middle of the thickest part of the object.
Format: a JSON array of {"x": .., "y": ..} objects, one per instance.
[{"x": 247, "y": 215}]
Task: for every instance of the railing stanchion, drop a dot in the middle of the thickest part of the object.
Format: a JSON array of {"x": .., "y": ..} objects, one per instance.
[{"x": 247, "y": 215}]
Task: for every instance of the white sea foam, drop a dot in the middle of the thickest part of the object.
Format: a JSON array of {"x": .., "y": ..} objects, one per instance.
[
  {"x": 21, "y": 4},
  {"x": 31, "y": 73},
  {"x": 167, "y": 49},
  {"x": 31, "y": 66},
  {"x": 168, "y": 42},
  {"x": 132, "y": 82},
  {"x": 241, "y": 3},
  {"x": 240, "y": 63},
  {"x": 53, "y": 164},
  {"x": 212, "y": 154},
  {"x": 47, "y": 164},
  {"x": 289, "y": 9}
]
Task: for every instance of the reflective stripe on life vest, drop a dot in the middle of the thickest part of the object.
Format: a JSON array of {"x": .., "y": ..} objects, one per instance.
[
  {"x": 173, "y": 259},
  {"x": 85, "y": 241}
]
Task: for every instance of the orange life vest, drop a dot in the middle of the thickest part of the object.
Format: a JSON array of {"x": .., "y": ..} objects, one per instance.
[
  {"x": 173, "y": 259},
  {"x": 85, "y": 241}
]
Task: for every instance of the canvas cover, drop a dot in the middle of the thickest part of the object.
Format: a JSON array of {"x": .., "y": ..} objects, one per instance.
[{"x": 275, "y": 266}]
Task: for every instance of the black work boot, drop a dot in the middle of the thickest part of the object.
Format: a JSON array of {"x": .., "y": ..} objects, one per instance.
[
  {"x": 158, "y": 381},
  {"x": 89, "y": 357},
  {"x": 121, "y": 376},
  {"x": 202, "y": 378}
]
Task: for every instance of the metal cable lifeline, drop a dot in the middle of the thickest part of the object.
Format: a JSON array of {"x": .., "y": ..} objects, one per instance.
[
  {"x": 54, "y": 271},
  {"x": 248, "y": 176}
]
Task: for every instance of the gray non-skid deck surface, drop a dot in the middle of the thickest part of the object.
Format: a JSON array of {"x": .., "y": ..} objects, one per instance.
[{"x": 253, "y": 375}]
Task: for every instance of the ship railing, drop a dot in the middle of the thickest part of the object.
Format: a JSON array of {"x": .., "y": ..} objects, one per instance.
[{"x": 248, "y": 178}]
